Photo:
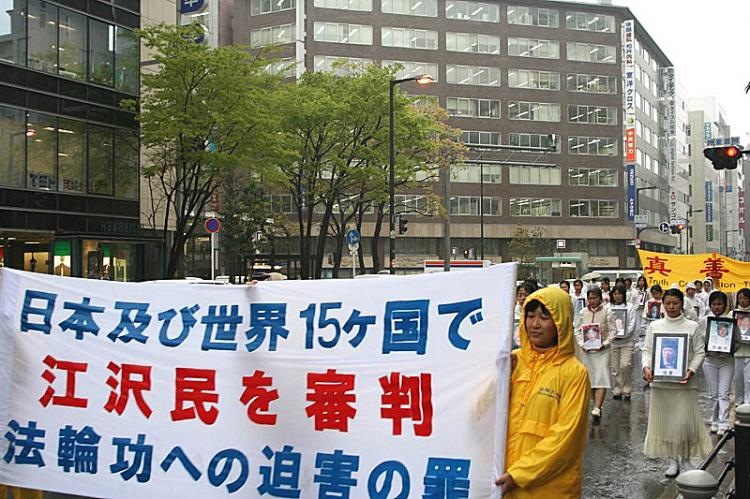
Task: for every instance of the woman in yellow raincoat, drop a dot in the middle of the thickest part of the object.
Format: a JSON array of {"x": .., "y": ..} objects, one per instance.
[{"x": 547, "y": 421}]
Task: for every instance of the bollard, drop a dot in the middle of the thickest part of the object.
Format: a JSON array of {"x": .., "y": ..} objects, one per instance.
[
  {"x": 742, "y": 451},
  {"x": 697, "y": 484}
]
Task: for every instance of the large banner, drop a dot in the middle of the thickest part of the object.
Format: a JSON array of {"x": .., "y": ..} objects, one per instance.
[
  {"x": 394, "y": 387},
  {"x": 666, "y": 269}
]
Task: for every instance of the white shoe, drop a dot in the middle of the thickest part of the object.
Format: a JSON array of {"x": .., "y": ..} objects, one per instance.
[
  {"x": 686, "y": 465},
  {"x": 720, "y": 432},
  {"x": 714, "y": 428},
  {"x": 673, "y": 470},
  {"x": 596, "y": 412}
]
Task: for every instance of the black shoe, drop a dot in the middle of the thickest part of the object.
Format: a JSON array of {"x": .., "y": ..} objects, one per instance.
[
  {"x": 626, "y": 396},
  {"x": 617, "y": 397}
]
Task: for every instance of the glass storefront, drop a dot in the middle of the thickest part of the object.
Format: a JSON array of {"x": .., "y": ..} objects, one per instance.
[{"x": 113, "y": 261}]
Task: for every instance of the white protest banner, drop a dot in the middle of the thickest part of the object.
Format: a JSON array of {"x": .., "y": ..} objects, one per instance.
[{"x": 394, "y": 387}]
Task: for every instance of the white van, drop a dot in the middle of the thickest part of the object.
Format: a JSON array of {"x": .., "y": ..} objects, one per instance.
[{"x": 614, "y": 274}]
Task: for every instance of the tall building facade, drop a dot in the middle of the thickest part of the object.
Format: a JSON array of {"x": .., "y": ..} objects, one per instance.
[
  {"x": 510, "y": 73},
  {"x": 69, "y": 151}
]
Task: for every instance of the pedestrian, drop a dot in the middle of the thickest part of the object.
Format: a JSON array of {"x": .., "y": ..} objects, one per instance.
[
  {"x": 578, "y": 298},
  {"x": 623, "y": 343},
  {"x": 595, "y": 332},
  {"x": 675, "y": 424},
  {"x": 694, "y": 308},
  {"x": 638, "y": 299},
  {"x": 708, "y": 286},
  {"x": 742, "y": 355},
  {"x": 521, "y": 293},
  {"x": 606, "y": 288},
  {"x": 718, "y": 368},
  {"x": 629, "y": 290},
  {"x": 547, "y": 423},
  {"x": 654, "y": 308},
  {"x": 565, "y": 286}
]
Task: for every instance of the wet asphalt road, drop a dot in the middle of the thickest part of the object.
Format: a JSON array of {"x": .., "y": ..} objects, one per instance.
[{"x": 615, "y": 466}]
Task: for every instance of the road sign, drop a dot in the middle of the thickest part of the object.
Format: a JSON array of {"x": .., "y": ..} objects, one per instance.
[
  {"x": 664, "y": 227},
  {"x": 212, "y": 225},
  {"x": 560, "y": 244},
  {"x": 353, "y": 237}
]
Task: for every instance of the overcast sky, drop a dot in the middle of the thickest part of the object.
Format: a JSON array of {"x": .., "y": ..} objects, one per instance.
[{"x": 708, "y": 43}]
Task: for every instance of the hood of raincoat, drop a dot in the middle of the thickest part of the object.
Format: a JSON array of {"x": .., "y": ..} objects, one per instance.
[{"x": 558, "y": 303}]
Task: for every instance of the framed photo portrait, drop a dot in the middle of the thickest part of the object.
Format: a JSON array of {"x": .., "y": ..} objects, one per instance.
[
  {"x": 669, "y": 358},
  {"x": 592, "y": 336},
  {"x": 578, "y": 305},
  {"x": 642, "y": 298},
  {"x": 621, "y": 321},
  {"x": 743, "y": 326},
  {"x": 653, "y": 310},
  {"x": 720, "y": 332}
]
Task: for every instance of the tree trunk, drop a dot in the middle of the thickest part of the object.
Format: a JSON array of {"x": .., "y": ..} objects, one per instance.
[
  {"x": 322, "y": 239},
  {"x": 375, "y": 242}
]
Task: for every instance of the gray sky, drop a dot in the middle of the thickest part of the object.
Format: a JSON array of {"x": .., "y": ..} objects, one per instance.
[{"x": 708, "y": 44}]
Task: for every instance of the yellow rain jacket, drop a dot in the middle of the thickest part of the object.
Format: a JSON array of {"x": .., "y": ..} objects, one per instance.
[{"x": 548, "y": 413}]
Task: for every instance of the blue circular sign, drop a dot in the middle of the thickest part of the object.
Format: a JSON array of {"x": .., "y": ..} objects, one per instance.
[
  {"x": 212, "y": 225},
  {"x": 352, "y": 236}
]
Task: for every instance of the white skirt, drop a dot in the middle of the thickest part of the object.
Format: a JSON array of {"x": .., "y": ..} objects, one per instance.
[
  {"x": 675, "y": 425},
  {"x": 597, "y": 364}
]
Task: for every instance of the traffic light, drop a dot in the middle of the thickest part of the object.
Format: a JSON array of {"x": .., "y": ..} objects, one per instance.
[
  {"x": 723, "y": 157},
  {"x": 402, "y": 225},
  {"x": 677, "y": 228}
]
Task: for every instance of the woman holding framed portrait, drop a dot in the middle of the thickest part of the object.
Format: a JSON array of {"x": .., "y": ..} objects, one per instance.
[
  {"x": 719, "y": 364},
  {"x": 595, "y": 330},
  {"x": 741, "y": 314},
  {"x": 673, "y": 352},
  {"x": 638, "y": 297},
  {"x": 623, "y": 343},
  {"x": 694, "y": 308}
]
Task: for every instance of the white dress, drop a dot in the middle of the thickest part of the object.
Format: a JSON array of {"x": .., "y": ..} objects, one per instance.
[{"x": 597, "y": 362}]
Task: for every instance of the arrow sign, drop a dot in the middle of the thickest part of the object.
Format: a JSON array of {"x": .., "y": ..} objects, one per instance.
[
  {"x": 664, "y": 227},
  {"x": 353, "y": 237}
]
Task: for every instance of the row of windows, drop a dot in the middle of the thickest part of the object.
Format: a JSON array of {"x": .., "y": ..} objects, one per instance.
[
  {"x": 472, "y": 75},
  {"x": 473, "y": 107},
  {"x": 540, "y": 111},
  {"x": 577, "y": 145},
  {"x": 41, "y": 151},
  {"x": 651, "y": 110},
  {"x": 258, "y": 7},
  {"x": 472, "y": 43},
  {"x": 276, "y": 35},
  {"x": 534, "y": 175},
  {"x": 43, "y": 36},
  {"x": 592, "y": 115},
  {"x": 535, "y": 140},
  {"x": 545, "y": 207},
  {"x": 592, "y": 146}
]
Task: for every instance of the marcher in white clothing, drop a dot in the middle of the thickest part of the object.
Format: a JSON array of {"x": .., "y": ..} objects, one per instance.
[
  {"x": 596, "y": 322},
  {"x": 578, "y": 298},
  {"x": 623, "y": 344},
  {"x": 718, "y": 368},
  {"x": 708, "y": 286},
  {"x": 742, "y": 355},
  {"x": 694, "y": 308},
  {"x": 675, "y": 423}
]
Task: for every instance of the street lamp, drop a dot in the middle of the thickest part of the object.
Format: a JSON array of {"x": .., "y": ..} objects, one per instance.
[
  {"x": 638, "y": 194},
  {"x": 422, "y": 80}
]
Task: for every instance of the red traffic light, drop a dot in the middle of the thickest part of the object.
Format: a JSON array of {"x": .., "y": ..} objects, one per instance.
[{"x": 723, "y": 157}]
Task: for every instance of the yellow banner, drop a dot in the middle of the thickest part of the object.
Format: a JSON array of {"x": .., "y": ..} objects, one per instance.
[{"x": 666, "y": 269}]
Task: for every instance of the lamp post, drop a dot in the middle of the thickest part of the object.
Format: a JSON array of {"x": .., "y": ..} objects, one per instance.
[
  {"x": 638, "y": 195},
  {"x": 422, "y": 80}
]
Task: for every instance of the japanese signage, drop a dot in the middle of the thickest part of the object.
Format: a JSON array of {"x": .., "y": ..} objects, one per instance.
[
  {"x": 666, "y": 269},
  {"x": 671, "y": 120},
  {"x": 741, "y": 210},
  {"x": 707, "y": 131},
  {"x": 392, "y": 387},
  {"x": 723, "y": 141},
  {"x": 628, "y": 48},
  {"x": 631, "y": 192}
]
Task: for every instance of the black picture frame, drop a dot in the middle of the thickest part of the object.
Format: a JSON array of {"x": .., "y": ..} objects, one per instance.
[
  {"x": 742, "y": 319},
  {"x": 622, "y": 315},
  {"x": 716, "y": 342},
  {"x": 672, "y": 366},
  {"x": 652, "y": 305}
]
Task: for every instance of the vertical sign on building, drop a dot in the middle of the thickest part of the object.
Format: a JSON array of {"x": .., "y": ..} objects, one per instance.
[
  {"x": 628, "y": 57},
  {"x": 709, "y": 211},
  {"x": 671, "y": 121}
]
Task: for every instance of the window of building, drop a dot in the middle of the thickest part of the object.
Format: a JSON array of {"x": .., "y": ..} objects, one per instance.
[
  {"x": 593, "y": 115},
  {"x": 530, "y": 47},
  {"x": 347, "y": 66},
  {"x": 533, "y": 16},
  {"x": 42, "y": 41},
  {"x": 473, "y": 107},
  {"x": 532, "y": 140},
  {"x": 587, "y": 21},
  {"x": 534, "y": 175},
  {"x": 426, "y": 8},
  {"x": 284, "y": 67},
  {"x": 41, "y": 150},
  {"x": 478, "y": 138},
  {"x": 71, "y": 156},
  {"x": 592, "y": 146},
  {"x": 127, "y": 68},
  {"x": 472, "y": 75},
  {"x": 13, "y": 31},
  {"x": 72, "y": 50},
  {"x": 534, "y": 111},
  {"x": 258, "y": 7},
  {"x": 593, "y": 208},
  {"x": 469, "y": 205},
  {"x": 285, "y": 33},
  {"x": 409, "y": 38},
  {"x": 592, "y": 84},
  {"x": 534, "y": 207},
  {"x": 472, "y": 11},
  {"x": 101, "y": 145},
  {"x": 127, "y": 173},
  {"x": 101, "y": 52},
  {"x": 282, "y": 203},
  {"x": 537, "y": 80},
  {"x": 12, "y": 138},
  {"x": 590, "y": 52},
  {"x": 472, "y": 43},
  {"x": 476, "y": 174},
  {"x": 592, "y": 177},
  {"x": 411, "y": 69},
  {"x": 411, "y": 203}
]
